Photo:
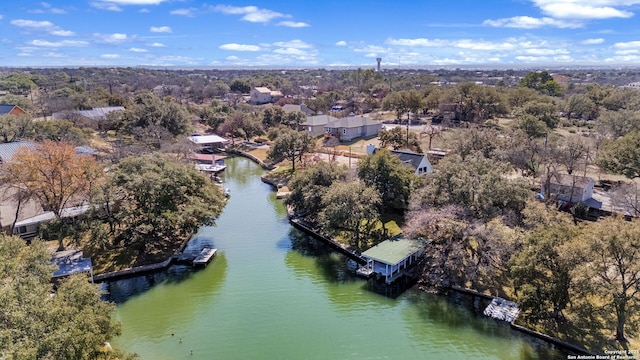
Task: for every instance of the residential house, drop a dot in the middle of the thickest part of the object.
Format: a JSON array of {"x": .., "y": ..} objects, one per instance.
[
  {"x": 263, "y": 95},
  {"x": 568, "y": 188},
  {"x": 353, "y": 127},
  {"x": 315, "y": 124},
  {"x": 28, "y": 228},
  {"x": 419, "y": 163},
  {"x": 10, "y": 109},
  {"x": 392, "y": 258},
  {"x": 289, "y": 108}
]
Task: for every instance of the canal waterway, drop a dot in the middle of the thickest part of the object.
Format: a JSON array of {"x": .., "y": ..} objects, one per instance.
[{"x": 273, "y": 293}]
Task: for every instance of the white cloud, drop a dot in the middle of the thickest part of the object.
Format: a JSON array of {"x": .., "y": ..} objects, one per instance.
[
  {"x": 184, "y": 12},
  {"x": 627, "y": 45},
  {"x": 290, "y": 51},
  {"x": 527, "y": 22},
  {"x": 110, "y": 56},
  {"x": 138, "y": 50},
  {"x": 54, "y": 55},
  {"x": 628, "y": 52},
  {"x": 47, "y": 8},
  {"x": 63, "y": 43},
  {"x": 136, "y": 2},
  {"x": 250, "y": 13},
  {"x": 47, "y": 26},
  {"x": 585, "y": 9},
  {"x": 592, "y": 41},
  {"x": 623, "y": 59},
  {"x": 160, "y": 29},
  {"x": 482, "y": 45},
  {"x": 371, "y": 49},
  {"x": 62, "y": 32},
  {"x": 144, "y": 11},
  {"x": 416, "y": 42},
  {"x": 532, "y": 58},
  {"x": 158, "y": 45},
  {"x": 112, "y": 38},
  {"x": 105, "y": 6},
  {"x": 240, "y": 47},
  {"x": 545, "y": 52},
  {"x": 341, "y": 43},
  {"x": 297, "y": 44},
  {"x": 293, "y": 24}
]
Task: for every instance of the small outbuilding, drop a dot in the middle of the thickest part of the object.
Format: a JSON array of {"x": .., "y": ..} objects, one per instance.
[{"x": 392, "y": 258}]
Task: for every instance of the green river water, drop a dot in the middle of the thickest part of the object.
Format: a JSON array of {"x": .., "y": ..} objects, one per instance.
[{"x": 274, "y": 293}]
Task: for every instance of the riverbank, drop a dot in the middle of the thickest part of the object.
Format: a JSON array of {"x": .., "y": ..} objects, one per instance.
[
  {"x": 276, "y": 182},
  {"x": 273, "y": 293}
]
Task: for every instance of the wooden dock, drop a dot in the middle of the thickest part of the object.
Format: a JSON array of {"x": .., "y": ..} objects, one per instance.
[{"x": 204, "y": 257}]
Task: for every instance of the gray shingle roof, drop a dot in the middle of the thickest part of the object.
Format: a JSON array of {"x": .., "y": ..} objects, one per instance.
[
  {"x": 351, "y": 122},
  {"x": 319, "y": 120},
  {"x": 409, "y": 157}
]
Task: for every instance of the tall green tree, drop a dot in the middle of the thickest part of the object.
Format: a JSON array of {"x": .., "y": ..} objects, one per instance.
[
  {"x": 542, "y": 82},
  {"x": 389, "y": 176},
  {"x": 290, "y": 145},
  {"x": 406, "y": 101},
  {"x": 308, "y": 186},
  {"x": 612, "y": 270},
  {"x": 159, "y": 202},
  {"x": 14, "y": 127},
  {"x": 350, "y": 208},
  {"x": 38, "y": 323},
  {"x": 149, "y": 110},
  {"x": 543, "y": 271},
  {"x": 543, "y": 111},
  {"x": 477, "y": 184},
  {"x": 398, "y": 137},
  {"x": 621, "y": 156}
]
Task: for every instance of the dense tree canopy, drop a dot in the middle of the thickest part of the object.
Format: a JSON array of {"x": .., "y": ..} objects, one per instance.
[
  {"x": 622, "y": 156},
  {"x": 389, "y": 176},
  {"x": 149, "y": 110},
  {"x": 14, "y": 127},
  {"x": 542, "y": 271},
  {"x": 612, "y": 270},
  {"x": 352, "y": 208},
  {"x": 291, "y": 145},
  {"x": 37, "y": 323},
  {"x": 54, "y": 175},
  {"x": 309, "y": 185},
  {"x": 542, "y": 82},
  {"x": 477, "y": 183},
  {"x": 156, "y": 201}
]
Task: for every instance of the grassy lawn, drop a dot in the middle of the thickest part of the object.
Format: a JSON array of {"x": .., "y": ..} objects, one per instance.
[{"x": 260, "y": 153}]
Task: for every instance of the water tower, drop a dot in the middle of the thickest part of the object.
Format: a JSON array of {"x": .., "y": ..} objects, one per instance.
[{"x": 378, "y": 60}]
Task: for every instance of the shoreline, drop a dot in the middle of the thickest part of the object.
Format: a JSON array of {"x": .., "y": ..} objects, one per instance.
[{"x": 140, "y": 270}]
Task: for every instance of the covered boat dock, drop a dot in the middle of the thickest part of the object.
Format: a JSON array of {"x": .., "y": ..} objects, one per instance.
[{"x": 392, "y": 258}]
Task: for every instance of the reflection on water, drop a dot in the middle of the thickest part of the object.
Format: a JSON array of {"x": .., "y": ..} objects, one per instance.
[{"x": 274, "y": 293}]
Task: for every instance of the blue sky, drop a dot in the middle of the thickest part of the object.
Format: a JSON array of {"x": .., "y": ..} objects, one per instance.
[{"x": 319, "y": 33}]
